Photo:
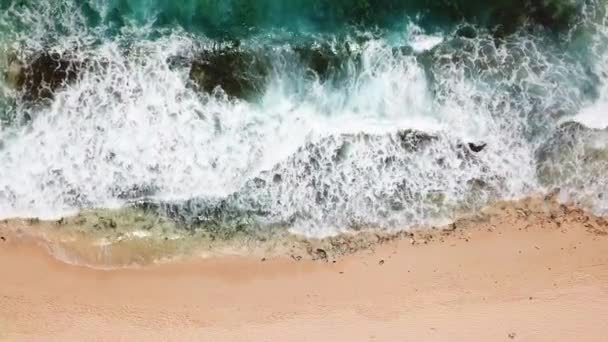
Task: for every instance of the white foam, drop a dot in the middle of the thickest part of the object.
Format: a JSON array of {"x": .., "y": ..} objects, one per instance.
[
  {"x": 594, "y": 116},
  {"x": 140, "y": 234},
  {"x": 136, "y": 122},
  {"x": 420, "y": 41},
  {"x": 423, "y": 43}
]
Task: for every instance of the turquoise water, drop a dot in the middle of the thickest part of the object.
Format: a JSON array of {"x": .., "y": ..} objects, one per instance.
[
  {"x": 313, "y": 116},
  {"x": 239, "y": 17}
]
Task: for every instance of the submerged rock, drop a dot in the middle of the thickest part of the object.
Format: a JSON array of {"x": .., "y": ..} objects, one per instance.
[
  {"x": 319, "y": 60},
  {"x": 412, "y": 140},
  {"x": 466, "y": 31},
  {"x": 15, "y": 74},
  {"x": 575, "y": 159},
  {"x": 45, "y": 73},
  {"x": 569, "y": 142},
  {"x": 238, "y": 73},
  {"x": 329, "y": 172},
  {"x": 242, "y": 72},
  {"x": 325, "y": 60}
]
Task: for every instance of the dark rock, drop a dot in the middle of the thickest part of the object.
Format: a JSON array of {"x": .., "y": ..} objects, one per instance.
[
  {"x": 381, "y": 262},
  {"x": 238, "y": 73},
  {"x": 320, "y": 254},
  {"x": 471, "y": 147},
  {"x": 317, "y": 60},
  {"x": 467, "y": 151},
  {"x": 242, "y": 72},
  {"x": 323, "y": 60},
  {"x": 2, "y": 238},
  {"x": 412, "y": 140},
  {"x": 452, "y": 227},
  {"x": 46, "y": 73},
  {"x": 477, "y": 148},
  {"x": 466, "y": 31}
]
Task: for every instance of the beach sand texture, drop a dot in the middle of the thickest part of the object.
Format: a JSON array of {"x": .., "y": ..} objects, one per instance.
[{"x": 531, "y": 270}]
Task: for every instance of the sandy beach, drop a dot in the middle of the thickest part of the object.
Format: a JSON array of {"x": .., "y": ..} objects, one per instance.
[
  {"x": 531, "y": 270},
  {"x": 304, "y": 170}
]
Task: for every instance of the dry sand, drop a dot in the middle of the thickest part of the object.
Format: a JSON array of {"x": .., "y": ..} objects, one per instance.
[{"x": 525, "y": 271}]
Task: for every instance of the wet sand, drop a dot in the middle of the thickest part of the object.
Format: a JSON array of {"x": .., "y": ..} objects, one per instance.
[{"x": 524, "y": 271}]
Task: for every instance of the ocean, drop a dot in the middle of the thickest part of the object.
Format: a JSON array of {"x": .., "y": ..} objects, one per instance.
[{"x": 165, "y": 120}]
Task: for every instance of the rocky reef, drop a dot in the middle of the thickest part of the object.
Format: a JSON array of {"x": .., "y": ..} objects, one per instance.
[
  {"x": 43, "y": 74},
  {"x": 239, "y": 72},
  {"x": 311, "y": 167},
  {"x": 574, "y": 153}
]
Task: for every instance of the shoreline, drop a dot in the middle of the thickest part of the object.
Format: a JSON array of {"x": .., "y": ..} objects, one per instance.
[{"x": 524, "y": 270}]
